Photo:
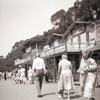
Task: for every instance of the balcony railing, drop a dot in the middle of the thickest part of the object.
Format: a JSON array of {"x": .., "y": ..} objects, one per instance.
[
  {"x": 71, "y": 47},
  {"x": 22, "y": 61}
]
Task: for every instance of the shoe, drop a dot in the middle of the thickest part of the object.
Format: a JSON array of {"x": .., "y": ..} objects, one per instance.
[
  {"x": 91, "y": 99},
  {"x": 39, "y": 96}
]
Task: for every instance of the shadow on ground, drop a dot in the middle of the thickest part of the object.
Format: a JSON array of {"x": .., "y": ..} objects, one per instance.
[
  {"x": 73, "y": 97},
  {"x": 48, "y": 94}
]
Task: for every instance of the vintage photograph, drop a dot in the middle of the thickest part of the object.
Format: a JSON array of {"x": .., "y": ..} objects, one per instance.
[{"x": 49, "y": 49}]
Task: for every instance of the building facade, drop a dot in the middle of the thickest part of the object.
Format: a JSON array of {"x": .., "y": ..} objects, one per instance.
[{"x": 77, "y": 38}]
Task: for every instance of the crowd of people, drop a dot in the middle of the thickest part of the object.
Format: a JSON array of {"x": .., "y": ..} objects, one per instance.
[
  {"x": 19, "y": 75},
  {"x": 88, "y": 75},
  {"x": 5, "y": 75}
]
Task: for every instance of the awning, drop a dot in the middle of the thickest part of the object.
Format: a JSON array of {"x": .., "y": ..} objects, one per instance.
[{"x": 73, "y": 25}]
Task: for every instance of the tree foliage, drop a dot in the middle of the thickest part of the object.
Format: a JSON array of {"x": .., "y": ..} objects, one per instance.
[
  {"x": 2, "y": 62},
  {"x": 58, "y": 15},
  {"x": 13, "y": 55},
  {"x": 88, "y": 11},
  {"x": 85, "y": 10}
]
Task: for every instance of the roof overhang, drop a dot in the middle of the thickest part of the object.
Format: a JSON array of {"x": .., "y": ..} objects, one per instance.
[{"x": 71, "y": 27}]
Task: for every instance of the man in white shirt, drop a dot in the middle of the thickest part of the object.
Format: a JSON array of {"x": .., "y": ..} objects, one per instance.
[{"x": 38, "y": 67}]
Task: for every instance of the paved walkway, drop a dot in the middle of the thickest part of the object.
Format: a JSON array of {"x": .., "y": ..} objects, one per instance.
[{"x": 10, "y": 91}]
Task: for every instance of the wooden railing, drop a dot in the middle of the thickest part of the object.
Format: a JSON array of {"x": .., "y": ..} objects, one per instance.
[
  {"x": 71, "y": 47},
  {"x": 54, "y": 50}
]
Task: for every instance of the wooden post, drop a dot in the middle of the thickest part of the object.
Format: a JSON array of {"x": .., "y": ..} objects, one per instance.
[
  {"x": 95, "y": 32},
  {"x": 55, "y": 67},
  {"x": 36, "y": 48},
  {"x": 66, "y": 45}
]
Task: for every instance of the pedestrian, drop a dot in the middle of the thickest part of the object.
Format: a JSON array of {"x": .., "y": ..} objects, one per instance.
[
  {"x": 19, "y": 74},
  {"x": 82, "y": 71},
  {"x": 88, "y": 74},
  {"x": 46, "y": 74},
  {"x": 22, "y": 75},
  {"x": 0, "y": 75},
  {"x": 30, "y": 75},
  {"x": 91, "y": 69},
  {"x": 38, "y": 68},
  {"x": 5, "y": 75},
  {"x": 65, "y": 77}
]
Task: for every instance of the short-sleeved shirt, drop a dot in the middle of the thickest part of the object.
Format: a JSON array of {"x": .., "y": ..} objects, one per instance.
[
  {"x": 65, "y": 64},
  {"x": 38, "y": 63}
]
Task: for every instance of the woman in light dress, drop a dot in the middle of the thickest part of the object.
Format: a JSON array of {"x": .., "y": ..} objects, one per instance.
[
  {"x": 22, "y": 76},
  {"x": 30, "y": 75},
  {"x": 88, "y": 72},
  {"x": 90, "y": 84},
  {"x": 65, "y": 77},
  {"x": 82, "y": 71}
]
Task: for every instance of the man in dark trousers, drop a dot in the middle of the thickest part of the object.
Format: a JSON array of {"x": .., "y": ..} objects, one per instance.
[
  {"x": 38, "y": 68},
  {"x": 5, "y": 75}
]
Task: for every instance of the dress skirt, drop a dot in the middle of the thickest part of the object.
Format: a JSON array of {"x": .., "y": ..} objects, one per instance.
[
  {"x": 90, "y": 85},
  {"x": 82, "y": 83},
  {"x": 30, "y": 76},
  {"x": 65, "y": 81}
]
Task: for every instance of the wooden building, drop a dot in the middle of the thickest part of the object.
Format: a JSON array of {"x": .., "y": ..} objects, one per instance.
[{"x": 80, "y": 36}]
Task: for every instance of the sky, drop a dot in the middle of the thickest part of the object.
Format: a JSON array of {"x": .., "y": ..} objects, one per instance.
[{"x": 24, "y": 19}]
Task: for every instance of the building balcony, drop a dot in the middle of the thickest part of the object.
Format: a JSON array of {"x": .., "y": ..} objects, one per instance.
[
  {"x": 71, "y": 47},
  {"x": 22, "y": 61},
  {"x": 26, "y": 57}
]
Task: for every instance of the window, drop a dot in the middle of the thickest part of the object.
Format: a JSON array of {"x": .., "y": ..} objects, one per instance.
[
  {"x": 87, "y": 37},
  {"x": 79, "y": 40}
]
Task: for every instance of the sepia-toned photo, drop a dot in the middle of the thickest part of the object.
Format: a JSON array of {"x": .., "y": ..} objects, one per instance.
[{"x": 49, "y": 49}]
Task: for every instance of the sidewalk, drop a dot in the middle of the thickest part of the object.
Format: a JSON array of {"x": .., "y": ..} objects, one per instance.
[{"x": 10, "y": 91}]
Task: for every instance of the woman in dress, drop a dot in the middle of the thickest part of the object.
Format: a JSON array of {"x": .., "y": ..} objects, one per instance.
[
  {"x": 22, "y": 76},
  {"x": 30, "y": 75},
  {"x": 65, "y": 77},
  {"x": 90, "y": 84},
  {"x": 88, "y": 71},
  {"x": 82, "y": 71}
]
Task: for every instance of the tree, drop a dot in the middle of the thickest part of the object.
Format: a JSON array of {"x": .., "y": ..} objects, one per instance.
[
  {"x": 88, "y": 11},
  {"x": 13, "y": 55},
  {"x": 2, "y": 62},
  {"x": 58, "y": 16}
]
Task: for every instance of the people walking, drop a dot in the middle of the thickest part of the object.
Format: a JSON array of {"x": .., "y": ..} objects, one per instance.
[
  {"x": 38, "y": 67},
  {"x": 90, "y": 84},
  {"x": 30, "y": 76},
  {"x": 82, "y": 71},
  {"x": 46, "y": 74},
  {"x": 22, "y": 75},
  {"x": 65, "y": 77},
  {"x": 5, "y": 75},
  {"x": 0, "y": 75},
  {"x": 89, "y": 77}
]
